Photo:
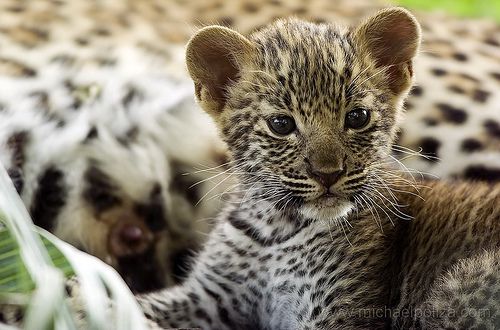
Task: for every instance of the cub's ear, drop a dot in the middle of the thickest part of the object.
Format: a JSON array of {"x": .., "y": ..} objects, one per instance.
[
  {"x": 214, "y": 57},
  {"x": 392, "y": 38}
]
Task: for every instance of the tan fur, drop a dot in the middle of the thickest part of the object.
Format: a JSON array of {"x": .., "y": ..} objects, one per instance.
[{"x": 454, "y": 223}]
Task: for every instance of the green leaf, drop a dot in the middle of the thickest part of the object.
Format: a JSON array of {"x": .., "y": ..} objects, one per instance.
[{"x": 14, "y": 277}]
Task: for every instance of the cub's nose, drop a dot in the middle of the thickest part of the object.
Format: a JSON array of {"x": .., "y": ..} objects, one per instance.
[
  {"x": 326, "y": 176},
  {"x": 327, "y": 179}
]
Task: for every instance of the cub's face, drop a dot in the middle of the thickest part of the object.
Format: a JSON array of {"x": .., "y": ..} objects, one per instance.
[{"x": 308, "y": 111}]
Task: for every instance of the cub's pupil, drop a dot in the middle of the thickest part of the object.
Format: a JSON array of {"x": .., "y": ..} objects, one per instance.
[
  {"x": 357, "y": 118},
  {"x": 282, "y": 125}
]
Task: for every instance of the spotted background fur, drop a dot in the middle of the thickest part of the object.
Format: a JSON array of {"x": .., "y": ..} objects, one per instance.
[
  {"x": 86, "y": 85},
  {"x": 94, "y": 133}
]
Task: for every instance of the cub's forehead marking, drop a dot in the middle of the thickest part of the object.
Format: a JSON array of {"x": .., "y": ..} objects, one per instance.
[{"x": 316, "y": 67}]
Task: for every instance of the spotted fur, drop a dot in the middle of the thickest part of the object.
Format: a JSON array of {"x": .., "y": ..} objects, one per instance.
[
  {"x": 62, "y": 62},
  {"x": 291, "y": 252}
]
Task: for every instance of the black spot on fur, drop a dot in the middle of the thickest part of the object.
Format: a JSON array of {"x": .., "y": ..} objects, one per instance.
[
  {"x": 430, "y": 148},
  {"x": 480, "y": 172},
  {"x": 493, "y": 128},
  {"x": 105, "y": 61},
  {"x": 63, "y": 59},
  {"x": 184, "y": 183},
  {"x": 250, "y": 231},
  {"x": 20, "y": 69},
  {"x": 416, "y": 91},
  {"x": 471, "y": 145},
  {"x": 492, "y": 42},
  {"x": 16, "y": 175},
  {"x": 82, "y": 41},
  {"x": 250, "y": 7},
  {"x": 408, "y": 105},
  {"x": 430, "y": 121},
  {"x": 201, "y": 314},
  {"x": 315, "y": 312},
  {"x": 181, "y": 263},
  {"x": 461, "y": 57},
  {"x": 439, "y": 72},
  {"x": 42, "y": 100},
  {"x": 49, "y": 198},
  {"x": 40, "y": 33},
  {"x": 130, "y": 136},
  {"x": 480, "y": 95},
  {"x": 452, "y": 114},
  {"x": 102, "y": 32},
  {"x": 16, "y": 143},
  {"x": 92, "y": 134},
  {"x": 132, "y": 95},
  {"x": 456, "y": 89},
  {"x": 67, "y": 289},
  {"x": 100, "y": 191},
  {"x": 469, "y": 77},
  {"x": 496, "y": 75},
  {"x": 153, "y": 212},
  {"x": 16, "y": 9}
]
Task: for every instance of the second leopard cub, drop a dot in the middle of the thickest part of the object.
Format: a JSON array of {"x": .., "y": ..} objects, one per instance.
[{"x": 323, "y": 234}]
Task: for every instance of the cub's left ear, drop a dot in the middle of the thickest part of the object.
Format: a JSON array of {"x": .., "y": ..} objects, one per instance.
[
  {"x": 214, "y": 57},
  {"x": 392, "y": 38}
]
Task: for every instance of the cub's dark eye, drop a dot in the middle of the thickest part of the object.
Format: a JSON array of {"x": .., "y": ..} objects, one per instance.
[
  {"x": 282, "y": 125},
  {"x": 357, "y": 118}
]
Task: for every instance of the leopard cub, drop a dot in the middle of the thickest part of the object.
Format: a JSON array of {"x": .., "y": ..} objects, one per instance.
[{"x": 324, "y": 233}]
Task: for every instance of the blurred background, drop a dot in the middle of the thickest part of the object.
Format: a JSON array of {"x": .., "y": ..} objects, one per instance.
[{"x": 471, "y": 8}]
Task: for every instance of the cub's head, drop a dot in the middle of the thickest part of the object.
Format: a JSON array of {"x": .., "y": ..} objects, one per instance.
[{"x": 308, "y": 111}]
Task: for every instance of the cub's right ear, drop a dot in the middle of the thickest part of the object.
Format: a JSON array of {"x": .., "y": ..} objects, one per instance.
[
  {"x": 392, "y": 37},
  {"x": 214, "y": 57}
]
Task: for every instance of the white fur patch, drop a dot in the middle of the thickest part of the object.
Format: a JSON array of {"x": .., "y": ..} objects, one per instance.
[{"x": 326, "y": 213}]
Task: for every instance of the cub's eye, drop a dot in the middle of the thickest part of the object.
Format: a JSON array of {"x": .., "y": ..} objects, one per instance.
[
  {"x": 357, "y": 118},
  {"x": 282, "y": 125}
]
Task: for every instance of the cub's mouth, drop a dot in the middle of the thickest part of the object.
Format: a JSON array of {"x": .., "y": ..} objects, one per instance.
[{"x": 329, "y": 199}]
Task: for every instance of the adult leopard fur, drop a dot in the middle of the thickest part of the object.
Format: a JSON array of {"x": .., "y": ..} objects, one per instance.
[
  {"x": 325, "y": 235},
  {"x": 93, "y": 132}
]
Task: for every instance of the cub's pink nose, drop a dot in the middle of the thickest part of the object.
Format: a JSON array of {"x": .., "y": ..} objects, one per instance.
[{"x": 128, "y": 238}]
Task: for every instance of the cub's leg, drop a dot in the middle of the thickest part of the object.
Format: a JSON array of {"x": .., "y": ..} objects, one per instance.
[{"x": 210, "y": 298}]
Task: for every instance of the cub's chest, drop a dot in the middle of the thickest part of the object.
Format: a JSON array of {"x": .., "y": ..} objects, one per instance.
[{"x": 294, "y": 276}]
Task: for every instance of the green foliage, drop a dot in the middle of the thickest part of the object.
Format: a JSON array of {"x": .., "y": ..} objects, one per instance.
[
  {"x": 470, "y": 8},
  {"x": 14, "y": 277}
]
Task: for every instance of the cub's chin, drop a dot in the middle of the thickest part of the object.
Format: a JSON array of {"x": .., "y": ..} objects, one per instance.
[{"x": 326, "y": 208}]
